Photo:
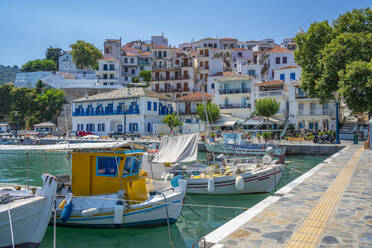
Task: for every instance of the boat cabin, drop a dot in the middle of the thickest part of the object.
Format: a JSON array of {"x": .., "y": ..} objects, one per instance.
[{"x": 108, "y": 171}]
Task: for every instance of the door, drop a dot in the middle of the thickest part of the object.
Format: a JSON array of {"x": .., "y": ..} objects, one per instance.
[{"x": 187, "y": 108}]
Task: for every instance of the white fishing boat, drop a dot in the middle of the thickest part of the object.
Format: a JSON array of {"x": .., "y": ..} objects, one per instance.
[
  {"x": 107, "y": 188},
  {"x": 25, "y": 214},
  {"x": 220, "y": 177}
]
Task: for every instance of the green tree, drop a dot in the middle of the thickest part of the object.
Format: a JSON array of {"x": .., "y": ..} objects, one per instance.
[
  {"x": 5, "y": 100},
  {"x": 8, "y": 73},
  {"x": 173, "y": 121},
  {"x": 53, "y": 53},
  {"x": 266, "y": 107},
  {"x": 212, "y": 110},
  {"x": 356, "y": 85},
  {"x": 39, "y": 65},
  {"x": 85, "y": 54},
  {"x": 49, "y": 105},
  {"x": 325, "y": 51},
  {"x": 39, "y": 87},
  {"x": 145, "y": 75}
]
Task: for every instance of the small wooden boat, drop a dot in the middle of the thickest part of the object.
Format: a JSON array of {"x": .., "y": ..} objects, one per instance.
[{"x": 25, "y": 214}]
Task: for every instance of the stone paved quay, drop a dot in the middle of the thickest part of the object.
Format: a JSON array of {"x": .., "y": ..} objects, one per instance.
[{"x": 332, "y": 208}]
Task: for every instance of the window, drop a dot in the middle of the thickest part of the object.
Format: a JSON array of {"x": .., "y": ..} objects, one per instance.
[
  {"x": 132, "y": 165},
  {"x": 126, "y": 69},
  {"x": 105, "y": 67},
  {"x": 112, "y": 67},
  {"x": 104, "y": 76},
  {"x": 201, "y": 64},
  {"x": 155, "y": 106},
  {"x": 133, "y": 71},
  {"x": 164, "y": 54},
  {"x": 111, "y": 76},
  {"x": 133, "y": 127},
  {"x": 149, "y": 105},
  {"x": 292, "y": 76},
  {"x": 240, "y": 54},
  {"x": 300, "y": 108},
  {"x": 107, "y": 166},
  {"x": 251, "y": 72},
  {"x": 125, "y": 60},
  {"x": 212, "y": 86},
  {"x": 177, "y": 62},
  {"x": 277, "y": 60},
  {"x": 325, "y": 108},
  {"x": 78, "y": 127},
  {"x": 284, "y": 60},
  {"x": 282, "y": 76},
  {"x": 201, "y": 52},
  {"x": 132, "y": 60}
]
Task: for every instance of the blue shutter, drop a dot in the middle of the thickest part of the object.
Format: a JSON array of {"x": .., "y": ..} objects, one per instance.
[
  {"x": 282, "y": 76},
  {"x": 149, "y": 105},
  {"x": 155, "y": 106},
  {"x": 293, "y": 76}
]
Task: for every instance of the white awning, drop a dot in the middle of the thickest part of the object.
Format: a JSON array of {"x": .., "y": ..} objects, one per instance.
[
  {"x": 226, "y": 121},
  {"x": 182, "y": 148}
]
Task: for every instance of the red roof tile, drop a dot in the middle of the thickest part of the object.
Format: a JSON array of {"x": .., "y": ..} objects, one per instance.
[
  {"x": 196, "y": 96},
  {"x": 109, "y": 59},
  {"x": 278, "y": 49},
  {"x": 288, "y": 67}
]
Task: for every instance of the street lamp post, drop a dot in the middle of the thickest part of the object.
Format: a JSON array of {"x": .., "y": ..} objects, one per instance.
[
  {"x": 16, "y": 122},
  {"x": 337, "y": 121}
]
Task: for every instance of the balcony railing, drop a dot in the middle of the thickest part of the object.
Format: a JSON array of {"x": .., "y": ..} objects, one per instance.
[
  {"x": 170, "y": 90},
  {"x": 102, "y": 78},
  {"x": 187, "y": 64},
  {"x": 108, "y": 112},
  {"x": 270, "y": 93},
  {"x": 190, "y": 112},
  {"x": 170, "y": 78},
  {"x": 235, "y": 106},
  {"x": 311, "y": 113},
  {"x": 165, "y": 111},
  {"x": 234, "y": 91},
  {"x": 301, "y": 96}
]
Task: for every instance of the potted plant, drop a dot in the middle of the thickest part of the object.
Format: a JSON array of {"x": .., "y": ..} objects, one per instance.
[{"x": 258, "y": 137}]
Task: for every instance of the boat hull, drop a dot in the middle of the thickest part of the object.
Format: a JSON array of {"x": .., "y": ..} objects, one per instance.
[
  {"x": 154, "y": 212},
  {"x": 29, "y": 216},
  {"x": 260, "y": 182},
  {"x": 242, "y": 150}
]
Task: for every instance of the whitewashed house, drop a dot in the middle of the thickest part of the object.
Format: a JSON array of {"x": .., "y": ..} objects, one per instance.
[
  {"x": 66, "y": 64},
  {"x": 130, "y": 110},
  {"x": 234, "y": 95},
  {"x": 305, "y": 112},
  {"x": 108, "y": 72},
  {"x": 4, "y": 127}
]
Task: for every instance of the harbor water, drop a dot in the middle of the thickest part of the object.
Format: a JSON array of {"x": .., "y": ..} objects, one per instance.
[{"x": 194, "y": 223}]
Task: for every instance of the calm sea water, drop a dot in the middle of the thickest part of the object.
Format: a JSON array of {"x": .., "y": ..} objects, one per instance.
[{"x": 193, "y": 224}]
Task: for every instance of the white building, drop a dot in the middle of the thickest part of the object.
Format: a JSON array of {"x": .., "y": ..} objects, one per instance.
[
  {"x": 305, "y": 112},
  {"x": 29, "y": 79},
  {"x": 108, "y": 71},
  {"x": 4, "y": 127},
  {"x": 279, "y": 57},
  {"x": 130, "y": 110},
  {"x": 65, "y": 63},
  {"x": 277, "y": 90},
  {"x": 234, "y": 95},
  {"x": 158, "y": 41}
]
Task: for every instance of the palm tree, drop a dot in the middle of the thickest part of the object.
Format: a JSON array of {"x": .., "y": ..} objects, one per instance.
[{"x": 172, "y": 121}]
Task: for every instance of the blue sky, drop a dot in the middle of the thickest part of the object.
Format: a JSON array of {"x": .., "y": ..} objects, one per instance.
[{"x": 29, "y": 27}]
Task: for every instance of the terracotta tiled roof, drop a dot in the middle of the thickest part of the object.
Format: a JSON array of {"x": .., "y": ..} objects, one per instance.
[
  {"x": 228, "y": 39},
  {"x": 194, "y": 53},
  {"x": 196, "y": 96},
  {"x": 163, "y": 47},
  {"x": 275, "y": 82},
  {"x": 288, "y": 67},
  {"x": 278, "y": 49},
  {"x": 146, "y": 53}
]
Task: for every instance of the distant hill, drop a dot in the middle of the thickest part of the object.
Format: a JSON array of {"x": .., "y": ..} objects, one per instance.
[{"x": 8, "y": 73}]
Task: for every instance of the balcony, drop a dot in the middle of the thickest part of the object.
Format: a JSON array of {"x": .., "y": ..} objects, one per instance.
[
  {"x": 185, "y": 77},
  {"x": 134, "y": 110},
  {"x": 186, "y": 64},
  {"x": 165, "y": 110},
  {"x": 234, "y": 91},
  {"x": 235, "y": 106},
  {"x": 107, "y": 78},
  {"x": 312, "y": 113},
  {"x": 171, "y": 90},
  {"x": 272, "y": 93}
]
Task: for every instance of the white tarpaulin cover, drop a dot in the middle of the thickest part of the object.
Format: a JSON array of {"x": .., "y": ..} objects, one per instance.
[{"x": 182, "y": 148}]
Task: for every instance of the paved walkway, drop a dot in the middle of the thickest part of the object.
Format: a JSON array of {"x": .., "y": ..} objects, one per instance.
[{"x": 332, "y": 208}]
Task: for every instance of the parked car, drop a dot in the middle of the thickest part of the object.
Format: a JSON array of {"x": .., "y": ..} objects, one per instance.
[
  {"x": 116, "y": 134},
  {"x": 83, "y": 133}
]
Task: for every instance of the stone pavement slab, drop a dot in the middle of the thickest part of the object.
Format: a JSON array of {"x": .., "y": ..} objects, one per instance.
[{"x": 348, "y": 222}]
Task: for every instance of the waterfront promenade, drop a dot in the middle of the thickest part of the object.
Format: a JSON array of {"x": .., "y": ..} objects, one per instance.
[{"x": 330, "y": 208}]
